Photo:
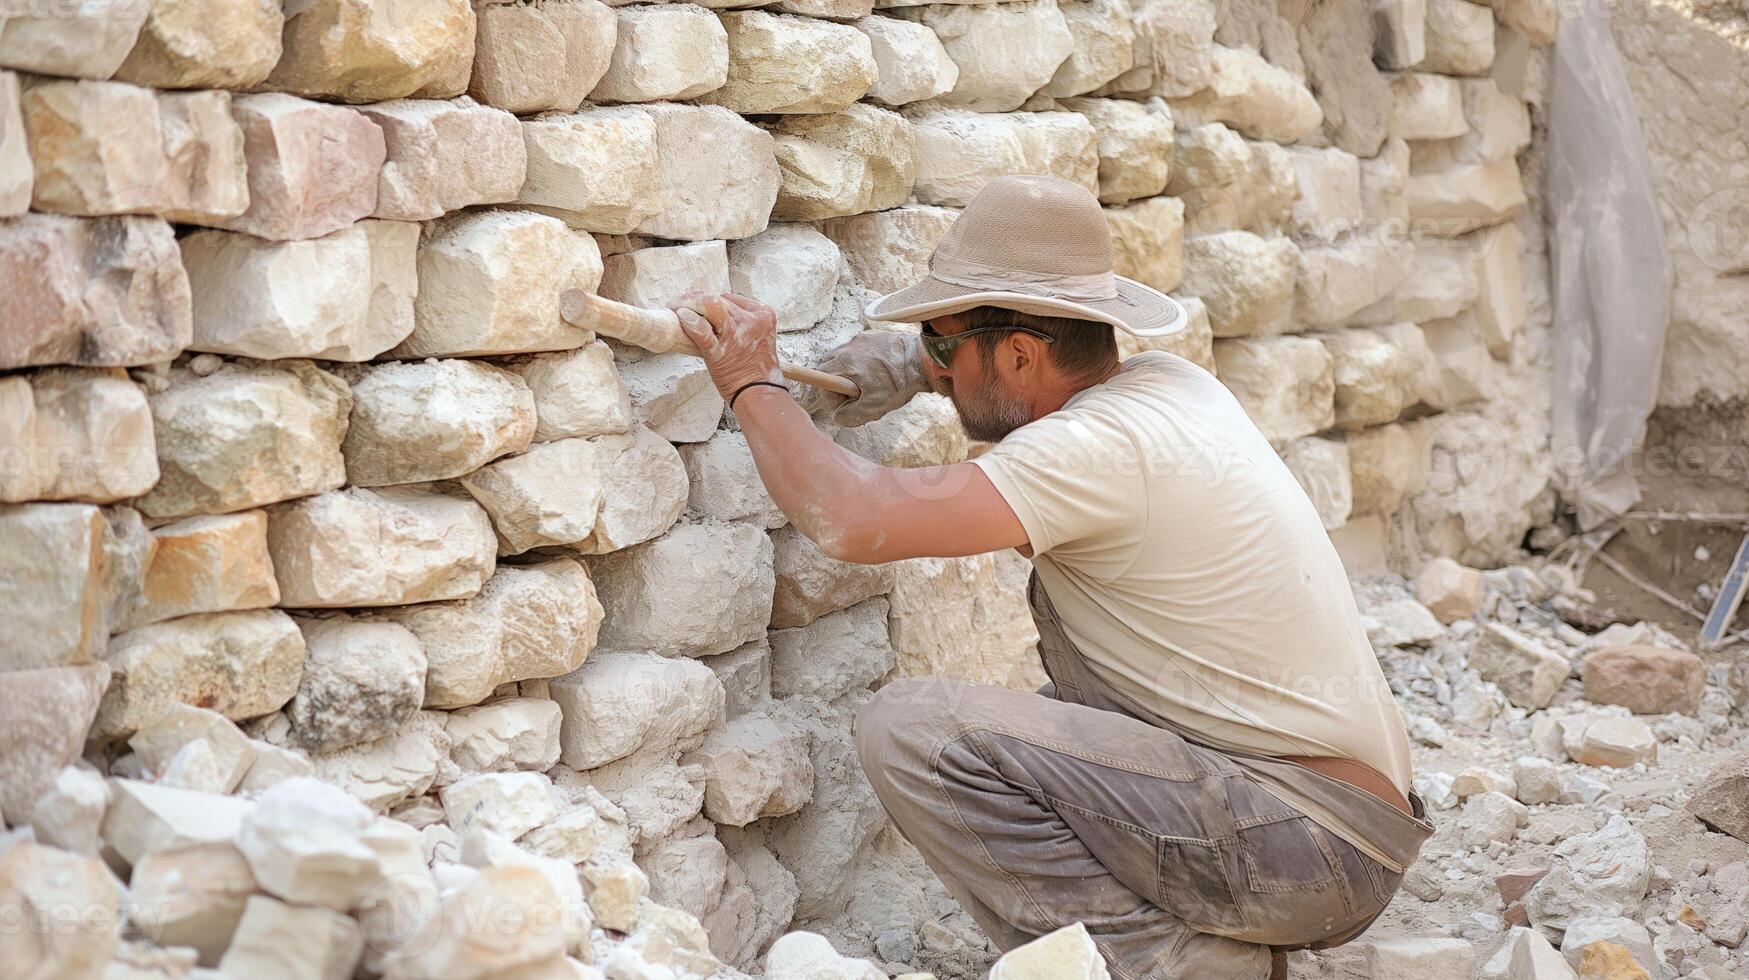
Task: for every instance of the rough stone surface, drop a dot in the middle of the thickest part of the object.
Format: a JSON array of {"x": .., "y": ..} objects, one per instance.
[
  {"x": 811, "y": 583},
  {"x": 1254, "y": 369},
  {"x": 1528, "y": 673},
  {"x": 671, "y": 52},
  {"x": 191, "y": 895},
  {"x": 1068, "y": 952},
  {"x": 1005, "y": 52},
  {"x": 842, "y": 163},
  {"x": 697, "y": 198},
  {"x": 71, "y": 899},
  {"x": 754, "y": 768},
  {"x": 1255, "y": 97},
  {"x": 145, "y": 819},
  {"x": 1247, "y": 282},
  {"x": 340, "y": 49},
  {"x": 577, "y": 393},
  {"x": 89, "y": 40},
  {"x": 889, "y": 250},
  {"x": 621, "y": 703},
  {"x": 239, "y": 664},
  {"x": 540, "y": 57},
  {"x": 417, "y": 421},
  {"x": 445, "y": 156},
  {"x": 361, "y": 681},
  {"x": 835, "y": 654},
  {"x": 161, "y": 739},
  {"x": 590, "y": 169},
  {"x": 785, "y": 63},
  {"x": 201, "y": 565},
  {"x": 205, "y": 44},
  {"x": 657, "y": 598},
  {"x": 74, "y": 435},
  {"x": 98, "y": 148},
  {"x": 16, "y": 172},
  {"x": 1460, "y": 38},
  {"x": 911, "y": 63},
  {"x": 386, "y": 547},
  {"x": 504, "y": 736},
  {"x": 49, "y": 711},
  {"x": 302, "y": 842},
  {"x": 1449, "y": 590},
  {"x": 1647, "y": 680},
  {"x": 1722, "y": 801},
  {"x": 313, "y": 168}
]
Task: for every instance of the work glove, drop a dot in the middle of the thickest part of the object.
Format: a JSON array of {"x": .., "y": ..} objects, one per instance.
[{"x": 887, "y": 368}]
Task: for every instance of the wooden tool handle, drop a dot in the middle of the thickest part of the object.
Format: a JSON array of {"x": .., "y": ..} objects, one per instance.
[{"x": 659, "y": 331}]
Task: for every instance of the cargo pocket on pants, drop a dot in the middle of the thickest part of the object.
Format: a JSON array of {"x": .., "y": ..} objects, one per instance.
[
  {"x": 1196, "y": 885},
  {"x": 1287, "y": 854}
]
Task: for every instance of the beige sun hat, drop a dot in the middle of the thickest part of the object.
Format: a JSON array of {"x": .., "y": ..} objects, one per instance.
[{"x": 1039, "y": 245}]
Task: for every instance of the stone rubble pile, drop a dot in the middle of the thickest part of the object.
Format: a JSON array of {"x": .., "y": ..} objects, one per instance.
[{"x": 302, "y": 475}]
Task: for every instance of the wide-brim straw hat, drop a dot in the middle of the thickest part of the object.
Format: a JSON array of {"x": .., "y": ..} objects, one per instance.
[{"x": 1039, "y": 245}]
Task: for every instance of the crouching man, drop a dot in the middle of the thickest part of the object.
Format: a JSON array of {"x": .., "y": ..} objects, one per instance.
[{"x": 1218, "y": 772}]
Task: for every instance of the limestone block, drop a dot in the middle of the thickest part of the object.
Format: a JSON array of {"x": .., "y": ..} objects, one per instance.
[
  {"x": 697, "y": 590},
  {"x": 889, "y": 250},
  {"x": 89, "y": 39},
  {"x": 386, "y": 547},
  {"x": 1497, "y": 127},
  {"x": 292, "y": 941},
  {"x": 1463, "y": 363},
  {"x": 240, "y": 664},
  {"x": 1440, "y": 282},
  {"x": 1207, "y": 156},
  {"x": 937, "y": 604},
  {"x": 1382, "y": 465},
  {"x": 505, "y": 736},
  {"x": 1384, "y": 185},
  {"x": 246, "y": 435},
  {"x": 353, "y": 52},
  {"x": 490, "y": 281},
  {"x": 1255, "y": 97},
  {"x": 658, "y": 796},
  {"x": 303, "y": 844},
  {"x": 273, "y": 765},
  {"x": 1322, "y": 468},
  {"x": 591, "y": 169},
  {"x": 1285, "y": 384},
  {"x": 1433, "y": 958},
  {"x": 1135, "y": 146},
  {"x": 1173, "y": 51},
  {"x": 109, "y": 292},
  {"x": 205, "y": 44},
  {"x": 746, "y": 676},
  {"x": 1328, "y": 203},
  {"x": 619, "y": 703},
  {"x": 484, "y": 849},
  {"x": 1623, "y": 946},
  {"x": 644, "y": 493},
  {"x": 1527, "y": 672},
  {"x": 725, "y": 485},
  {"x": 665, "y": 52},
  {"x": 1609, "y": 741},
  {"x": 195, "y": 767},
  {"x": 1247, "y": 282},
  {"x": 550, "y": 495},
  {"x": 1376, "y": 378},
  {"x": 98, "y": 148},
  {"x": 1459, "y": 38},
  {"x": 445, "y": 156},
  {"x": 698, "y": 198},
  {"x": 807, "y": 954},
  {"x": 362, "y": 680},
  {"x": 415, "y": 421},
  {"x": 392, "y": 769},
  {"x": 811, "y": 584},
  {"x": 527, "y": 622},
  {"x": 1104, "y": 47},
  {"x": 48, "y": 712},
  {"x": 833, "y": 655},
  {"x": 958, "y": 152},
  {"x": 785, "y": 63},
  {"x": 161, "y": 738},
  {"x": 655, "y": 277},
  {"x": 754, "y": 767},
  {"x": 64, "y": 909},
  {"x": 616, "y": 896},
  {"x": 1426, "y": 106},
  {"x": 74, "y": 435},
  {"x": 1450, "y": 590},
  {"x": 1719, "y": 800},
  {"x": 1647, "y": 680},
  {"x": 577, "y": 393},
  {"x": 1399, "y": 33},
  {"x": 842, "y": 163},
  {"x": 346, "y": 295},
  {"x": 819, "y": 842},
  {"x": 146, "y": 819},
  {"x": 1499, "y": 313},
  {"x": 508, "y": 803},
  {"x": 1336, "y": 42},
  {"x": 1005, "y": 52},
  {"x": 789, "y": 267},
  {"x": 69, "y": 815},
  {"x": 191, "y": 895},
  {"x": 911, "y": 63},
  {"x": 1147, "y": 241},
  {"x": 925, "y": 432},
  {"x": 206, "y": 176},
  {"x": 313, "y": 168},
  {"x": 1537, "y": 20},
  {"x": 16, "y": 171},
  {"x": 1468, "y": 197},
  {"x": 540, "y": 57},
  {"x": 1060, "y": 144},
  {"x": 673, "y": 395},
  {"x": 1068, "y": 952},
  {"x": 499, "y": 923}
]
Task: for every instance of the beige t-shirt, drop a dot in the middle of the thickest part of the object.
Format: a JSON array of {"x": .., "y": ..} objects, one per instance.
[{"x": 1190, "y": 568}]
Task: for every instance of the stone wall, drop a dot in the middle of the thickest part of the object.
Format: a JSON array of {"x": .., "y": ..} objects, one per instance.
[{"x": 293, "y": 438}]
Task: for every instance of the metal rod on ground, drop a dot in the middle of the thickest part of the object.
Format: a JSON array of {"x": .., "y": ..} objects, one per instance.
[{"x": 659, "y": 331}]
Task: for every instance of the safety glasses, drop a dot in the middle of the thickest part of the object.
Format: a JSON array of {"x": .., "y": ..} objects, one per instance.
[{"x": 940, "y": 349}]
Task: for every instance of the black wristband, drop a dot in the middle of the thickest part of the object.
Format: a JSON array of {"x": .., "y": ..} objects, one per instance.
[{"x": 754, "y": 384}]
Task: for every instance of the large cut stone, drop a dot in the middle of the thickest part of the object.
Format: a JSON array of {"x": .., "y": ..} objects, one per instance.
[
  {"x": 657, "y": 598},
  {"x": 591, "y": 169},
  {"x": 1255, "y": 97},
  {"x": 754, "y": 767},
  {"x": 1425, "y": 106},
  {"x": 528, "y": 622},
  {"x": 1147, "y": 241},
  {"x": 490, "y": 281},
  {"x": 1135, "y": 146},
  {"x": 620, "y": 703},
  {"x": 540, "y": 57},
  {"x": 1322, "y": 468},
  {"x": 1377, "y": 375},
  {"x": 1005, "y": 51},
  {"x": 699, "y": 199},
  {"x": 1105, "y": 42},
  {"x": 664, "y": 52},
  {"x": 48, "y": 712},
  {"x": 789, "y": 267},
  {"x": 1382, "y": 464},
  {"x": 224, "y": 44},
  {"x": 207, "y": 174},
  {"x": 62, "y": 908},
  {"x": 577, "y": 393},
  {"x": 1466, "y": 197},
  {"x": 98, "y": 148},
  {"x": 1499, "y": 313},
  {"x": 889, "y": 250},
  {"x": 296, "y": 942},
  {"x": 958, "y": 151},
  {"x": 643, "y": 494},
  {"x": 303, "y": 844},
  {"x": 657, "y": 276},
  {"x": 1327, "y": 205},
  {"x": 1284, "y": 383},
  {"x": 1647, "y": 680},
  {"x": 387, "y": 547},
  {"x": 74, "y": 435},
  {"x": 911, "y": 63},
  {"x": 673, "y": 395},
  {"x": 841, "y": 163},
  {"x": 786, "y": 63},
  {"x": 1399, "y": 33},
  {"x": 373, "y": 52},
  {"x": 239, "y": 664},
  {"x": 1336, "y": 43},
  {"x": 838, "y": 653},
  {"x": 362, "y": 680},
  {"x": 1247, "y": 282},
  {"x": 109, "y": 292},
  {"x": 246, "y": 435},
  {"x": 549, "y": 495},
  {"x": 1527, "y": 672},
  {"x": 1722, "y": 798},
  {"x": 415, "y": 421},
  {"x": 313, "y": 168},
  {"x": 83, "y": 39},
  {"x": 725, "y": 484},
  {"x": 16, "y": 172},
  {"x": 445, "y": 156},
  {"x": 936, "y": 604},
  {"x": 345, "y": 296}
]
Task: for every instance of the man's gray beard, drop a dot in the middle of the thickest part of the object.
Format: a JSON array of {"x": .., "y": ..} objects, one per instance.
[{"x": 991, "y": 412}]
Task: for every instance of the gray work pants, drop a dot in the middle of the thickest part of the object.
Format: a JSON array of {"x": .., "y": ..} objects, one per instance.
[{"x": 1039, "y": 810}]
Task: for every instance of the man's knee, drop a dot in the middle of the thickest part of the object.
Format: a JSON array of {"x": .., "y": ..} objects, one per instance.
[{"x": 883, "y": 718}]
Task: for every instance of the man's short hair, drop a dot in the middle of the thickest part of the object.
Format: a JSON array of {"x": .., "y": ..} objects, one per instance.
[{"x": 1078, "y": 347}]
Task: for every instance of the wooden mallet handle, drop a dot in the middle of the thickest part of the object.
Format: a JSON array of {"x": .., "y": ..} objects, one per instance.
[{"x": 659, "y": 331}]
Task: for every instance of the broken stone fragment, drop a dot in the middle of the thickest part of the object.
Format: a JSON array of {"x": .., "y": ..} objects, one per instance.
[
  {"x": 70, "y": 814},
  {"x": 418, "y": 421},
  {"x": 657, "y": 598},
  {"x": 1604, "y": 873},
  {"x": 337, "y": 49},
  {"x": 48, "y": 711},
  {"x": 1527, "y": 672},
  {"x": 1068, "y": 953},
  {"x": 191, "y": 895},
  {"x": 1608, "y": 741},
  {"x": 1492, "y": 817},
  {"x": 501, "y": 919},
  {"x": 302, "y": 842},
  {"x": 506, "y": 736},
  {"x": 105, "y": 292},
  {"x": 1429, "y": 958},
  {"x": 540, "y": 57},
  {"x": 507, "y": 803},
  {"x": 1005, "y": 52},
  {"x": 394, "y": 768},
  {"x": 1449, "y": 590},
  {"x": 180, "y": 725},
  {"x": 619, "y": 703},
  {"x": 313, "y": 168},
  {"x": 361, "y": 681},
  {"x": 239, "y": 664},
  {"x": 1647, "y": 680},
  {"x": 1254, "y": 369},
  {"x": 911, "y": 64},
  {"x": 616, "y": 896},
  {"x": 483, "y": 848},
  {"x": 296, "y": 942},
  {"x": 145, "y": 819},
  {"x": 1722, "y": 799},
  {"x": 63, "y": 908},
  {"x": 445, "y": 156}
]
